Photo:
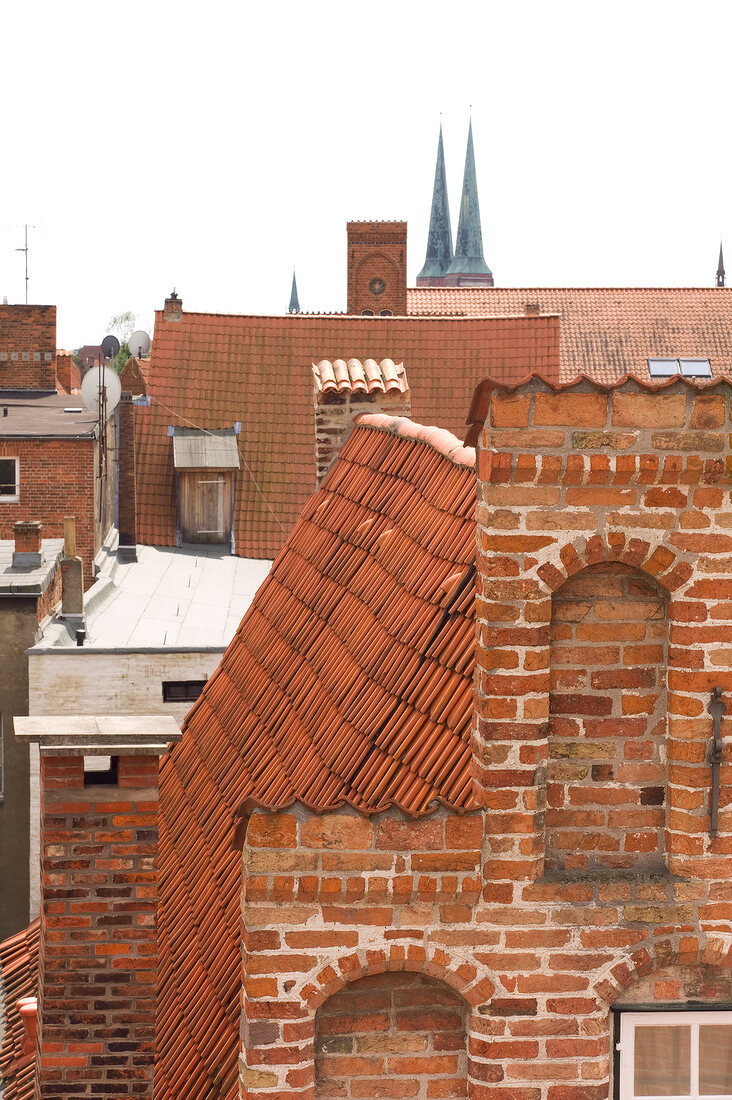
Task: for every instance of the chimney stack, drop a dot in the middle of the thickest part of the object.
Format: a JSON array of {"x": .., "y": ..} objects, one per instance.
[
  {"x": 127, "y": 492},
  {"x": 343, "y": 390},
  {"x": 98, "y": 953},
  {"x": 72, "y": 575},
  {"x": 173, "y": 307},
  {"x": 27, "y": 553}
]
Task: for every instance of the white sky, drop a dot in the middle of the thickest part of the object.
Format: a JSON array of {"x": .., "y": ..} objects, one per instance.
[{"x": 212, "y": 146}]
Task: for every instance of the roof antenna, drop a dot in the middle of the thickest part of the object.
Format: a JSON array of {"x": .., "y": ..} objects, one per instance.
[{"x": 26, "y": 259}]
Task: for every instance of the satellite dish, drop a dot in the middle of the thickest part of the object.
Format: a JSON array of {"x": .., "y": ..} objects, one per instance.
[
  {"x": 110, "y": 347},
  {"x": 140, "y": 343},
  {"x": 104, "y": 381}
]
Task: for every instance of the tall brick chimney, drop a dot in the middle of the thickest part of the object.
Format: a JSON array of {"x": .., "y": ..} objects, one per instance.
[
  {"x": 173, "y": 310},
  {"x": 127, "y": 502},
  {"x": 343, "y": 390},
  {"x": 98, "y": 954}
]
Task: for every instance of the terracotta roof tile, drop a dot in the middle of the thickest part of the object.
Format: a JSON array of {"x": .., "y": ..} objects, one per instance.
[
  {"x": 210, "y": 370},
  {"x": 605, "y": 332},
  {"x": 348, "y": 681},
  {"x": 353, "y": 376},
  {"x": 18, "y": 978}
]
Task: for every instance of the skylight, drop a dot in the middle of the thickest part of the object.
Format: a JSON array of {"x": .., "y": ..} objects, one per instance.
[{"x": 689, "y": 368}]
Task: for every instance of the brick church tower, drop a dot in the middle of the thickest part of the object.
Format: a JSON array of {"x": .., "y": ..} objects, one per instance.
[{"x": 377, "y": 268}]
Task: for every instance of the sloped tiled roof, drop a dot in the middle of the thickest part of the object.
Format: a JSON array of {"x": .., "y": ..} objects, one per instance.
[
  {"x": 353, "y": 376},
  {"x": 18, "y": 978},
  {"x": 605, "y": 332},
  {"x": 210, "y": 371},
  {"x": 348, "y": 681}
]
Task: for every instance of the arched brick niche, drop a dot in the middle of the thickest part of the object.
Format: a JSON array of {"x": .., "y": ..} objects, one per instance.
[
  {"x": 606, "y": 772},
  {"x": 678, "y": 985},
  {"x": 392, "y": 1035}
]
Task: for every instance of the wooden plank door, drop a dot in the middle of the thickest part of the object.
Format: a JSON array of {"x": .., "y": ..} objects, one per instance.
[{"x": 205, "y": 506}]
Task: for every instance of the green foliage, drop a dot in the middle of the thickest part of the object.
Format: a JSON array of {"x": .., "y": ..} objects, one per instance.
[
  {"x": 121, "y": 357},
  {"x": 77, "y": 360}
]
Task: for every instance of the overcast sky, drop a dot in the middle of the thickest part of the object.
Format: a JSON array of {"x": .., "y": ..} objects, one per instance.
[{"x": 213, "y": 146}]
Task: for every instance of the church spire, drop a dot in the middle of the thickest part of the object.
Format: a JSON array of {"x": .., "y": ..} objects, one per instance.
[
  {"x": 439, "y": 238},
  {"x": 468, "y": 260},
  {"x": 720, "y": 267},
  {"x": 294, "y": 306}
]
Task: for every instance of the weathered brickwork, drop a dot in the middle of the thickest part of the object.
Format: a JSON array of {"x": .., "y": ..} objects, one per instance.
[
  {"x": 57, "y": 478},
  {"x": 589, "y": 878},
  {"x": 606, "y": 768},
  {"x": 335, "y": 417},
  {"x": 398, "y": 1035},
  {"x": 377, "y": 267},
  {"x": 98, "y": 940},
  {"x": 27, "y": 347}
]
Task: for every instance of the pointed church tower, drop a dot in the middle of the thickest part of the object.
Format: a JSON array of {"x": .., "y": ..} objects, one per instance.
[
  {"x": 720, "y": 267},
  {"x": 294, "y": 306},
  {"x": 468, "y": 267},
  {"x": 439, "y": 238}
]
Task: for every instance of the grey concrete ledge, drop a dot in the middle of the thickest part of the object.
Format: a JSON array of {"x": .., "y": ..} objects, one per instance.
[
  {"x": 63, "y": 650},
  {"x": 108, "y": 735}
]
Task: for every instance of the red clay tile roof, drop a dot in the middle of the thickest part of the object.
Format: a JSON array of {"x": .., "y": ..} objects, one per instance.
[
  {"x": 210, "y": 371},
  {"x": 354, "y": 376},
  {"x": 605, "y": 332},
  {"x": 18, "y": 978},
  {"x": 348, "y": 681}
]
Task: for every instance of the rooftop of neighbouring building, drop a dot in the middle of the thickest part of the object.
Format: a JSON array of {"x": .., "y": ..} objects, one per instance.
[
  {"x": 172, "y": 597},
  {"x": 44, "y": 415},
  {"x": 28, "y": 580}
]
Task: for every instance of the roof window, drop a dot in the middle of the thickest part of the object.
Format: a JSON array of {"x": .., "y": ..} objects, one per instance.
[{"x": 688, "y": 368}]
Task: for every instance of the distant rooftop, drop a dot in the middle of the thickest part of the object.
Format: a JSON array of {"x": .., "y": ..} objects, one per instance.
[
  {"x": 189, "y": 597},
  {"x": 43, "y": 414}
]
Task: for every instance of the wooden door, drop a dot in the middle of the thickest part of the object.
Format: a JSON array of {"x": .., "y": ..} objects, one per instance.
[{"x": 205, "y": 505}]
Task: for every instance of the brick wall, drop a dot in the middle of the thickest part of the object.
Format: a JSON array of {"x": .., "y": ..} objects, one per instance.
[
  {"x": 99, "y": 953},
  {"x": 27, "y": 347},
  {"x": 57, "y": 478},
  {"x": 377, "y": 267}
]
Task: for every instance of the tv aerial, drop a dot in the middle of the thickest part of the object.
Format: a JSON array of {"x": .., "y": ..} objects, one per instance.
[
  {"x": 101, "y": 390},
  {"x": 140, "y": 343}
]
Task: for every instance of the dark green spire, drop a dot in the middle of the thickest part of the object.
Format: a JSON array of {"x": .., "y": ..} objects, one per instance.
[
  {"x": 294, "y": 306},
  {"x": 468, "y": 258},
  {"x": 720, "y": 267},
  {"x": 439, "y": 238}
]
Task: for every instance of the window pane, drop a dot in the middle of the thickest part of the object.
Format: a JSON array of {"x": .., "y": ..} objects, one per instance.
[
  {"x": 715, "y": 1060},
  {"x": 663, "y": 368},
  {"x": 662, "y": 1061},
  {"x": 7, "y": 477},
  {"x": 696, "y": 368}
]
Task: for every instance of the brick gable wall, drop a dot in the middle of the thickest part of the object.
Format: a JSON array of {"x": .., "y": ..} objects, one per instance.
[{"x": 604, "y": 622}]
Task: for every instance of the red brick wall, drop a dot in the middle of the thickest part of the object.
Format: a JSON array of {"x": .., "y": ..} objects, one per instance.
[
  {"x": 606, "y": 771},
  {"x": 99, "y": 951},
  {"x": 377, "y": 250},
  {"x": 27, "y": 347},
  {"x": 56, "y": 479},
  {"x": 391, "y": 1035}
]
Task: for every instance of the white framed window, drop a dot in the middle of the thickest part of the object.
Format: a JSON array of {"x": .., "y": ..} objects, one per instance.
[
  {"x": 677, "y": 1055},
  {"x": 9, "y": 479}
]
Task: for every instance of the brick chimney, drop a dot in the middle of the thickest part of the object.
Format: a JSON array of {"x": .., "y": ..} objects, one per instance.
[
  {"x": 127, "y": 500},
  {"x": 98, "y": 953},
  {"x": 28, "y": 552},
  {"x": 345, "y": 389},
  {"x": 377, "y": 267},
  {"x": 173, "y": 310}
]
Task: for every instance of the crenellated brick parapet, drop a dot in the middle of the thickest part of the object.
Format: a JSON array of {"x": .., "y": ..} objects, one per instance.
[{"x": 618, "y": 501}]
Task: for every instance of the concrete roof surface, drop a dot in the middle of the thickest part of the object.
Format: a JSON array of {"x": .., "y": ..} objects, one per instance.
[
  {"x": 40, "y": 414},
  {"x": 30, "y": 581},
  {"x": 176, "y": 596}
]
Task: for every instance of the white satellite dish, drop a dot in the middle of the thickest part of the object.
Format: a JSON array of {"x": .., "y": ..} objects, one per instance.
[
  {"x": 101, "y": 381},
  {"x": 139, "y": 343}
]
